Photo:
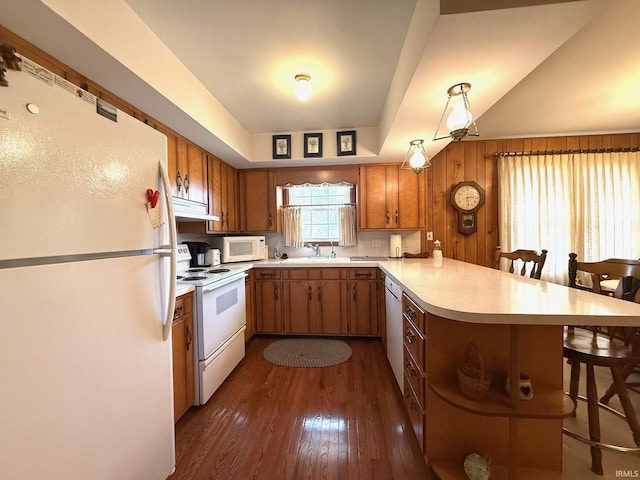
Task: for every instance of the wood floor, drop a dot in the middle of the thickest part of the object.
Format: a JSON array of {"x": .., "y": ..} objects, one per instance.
[{"x": 344, "y": 422}]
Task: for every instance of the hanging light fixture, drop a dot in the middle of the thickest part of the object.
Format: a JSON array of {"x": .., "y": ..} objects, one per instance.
[
  {"x": 302, "y": 88},
  {"x": 416, "y": 158},
  {"x": 460, "y": 121}
]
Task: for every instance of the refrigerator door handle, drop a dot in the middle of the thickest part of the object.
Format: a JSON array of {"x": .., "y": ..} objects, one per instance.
[{"x": 173, "y": 245}]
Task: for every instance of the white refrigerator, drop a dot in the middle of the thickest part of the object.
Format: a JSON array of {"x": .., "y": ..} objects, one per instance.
[{"x": 86, "y": 288}]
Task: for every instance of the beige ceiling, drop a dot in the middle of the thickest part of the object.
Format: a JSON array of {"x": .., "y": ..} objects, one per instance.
[{"x": 220, "y": 72}]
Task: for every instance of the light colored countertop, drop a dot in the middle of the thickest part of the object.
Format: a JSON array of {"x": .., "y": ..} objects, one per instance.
[
  {"x": 472, "y": 293},
  {"x": 183, "y": 289},
  {"x": 476, "y": 294}
]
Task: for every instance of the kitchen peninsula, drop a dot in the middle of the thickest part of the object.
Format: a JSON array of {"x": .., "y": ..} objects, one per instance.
[{"x": 517, "y": 324}]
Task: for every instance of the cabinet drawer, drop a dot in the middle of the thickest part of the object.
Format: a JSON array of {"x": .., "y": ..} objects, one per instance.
[
  {"x": 415, "y": 376},
  {"x": 362, "y": 273},
  {"x": 268, "y": 273},
  {"x": 297, "y": 274},
  {"x": 413, "y": 312},
  {"x": 416, "y": 415},
  {"x": 413, "y": 341},
  {"x": 183, "y": 305}
]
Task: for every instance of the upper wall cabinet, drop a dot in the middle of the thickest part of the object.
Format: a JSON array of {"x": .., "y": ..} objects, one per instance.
[
  {"x": 390, "y": 198},
  {"x": 222, "y": 195},
  {"x": 258, "y": 207},
  {"x": 187, "y": 169}
]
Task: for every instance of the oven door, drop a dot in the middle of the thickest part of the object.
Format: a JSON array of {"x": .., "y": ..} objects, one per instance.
[
  {"x": 220, "y": 313},
  {"x": 215, "y": 369}
]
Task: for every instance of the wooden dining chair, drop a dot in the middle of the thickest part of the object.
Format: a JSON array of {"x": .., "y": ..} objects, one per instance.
[
  {"x": 615, "y": 348},
  {"x": 530, "y": 259}
]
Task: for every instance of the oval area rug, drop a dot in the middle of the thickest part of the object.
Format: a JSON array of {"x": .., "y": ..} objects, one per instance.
[{"x": 307, "y": 352}]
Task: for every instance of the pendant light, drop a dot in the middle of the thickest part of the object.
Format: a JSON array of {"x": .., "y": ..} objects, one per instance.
[
  {"x": 302, "y": 88},
  {"x": 416, "y": 158},
  {"x": 460, "y": 121}
]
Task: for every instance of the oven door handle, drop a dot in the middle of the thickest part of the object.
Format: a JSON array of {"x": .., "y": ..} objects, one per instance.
[
  {"x": 224, "y": 281},
  {"x": 170, "y": 252}
]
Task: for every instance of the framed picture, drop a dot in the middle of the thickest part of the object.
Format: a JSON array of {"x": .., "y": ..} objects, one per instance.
[
  {"x": 346, "y": 142},
  {"x": 312, "y": 145},
  {"x": 281, "y": 146}
]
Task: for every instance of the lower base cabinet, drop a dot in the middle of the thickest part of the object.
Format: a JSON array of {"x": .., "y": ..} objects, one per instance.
[
  {"x": 317, "y": 301},
  {"x": 183, "y": 361}
]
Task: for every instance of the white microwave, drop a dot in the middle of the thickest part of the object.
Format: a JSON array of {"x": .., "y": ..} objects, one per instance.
[{"x": 241, "y": 249}]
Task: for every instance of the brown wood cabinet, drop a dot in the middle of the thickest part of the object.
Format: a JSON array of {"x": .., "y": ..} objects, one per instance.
[
  {"x": 390, "y": 198},
  {"x": 363, "y": 303},
  {"x": 223, "y": 189},
  {"x": 187, "y": 168},
  {"x": 249, "y": 292},
  {"x": 183, "y": 355},
  {"x": 257, "y": 201},
  {"x": 315, "y": 301},
  {"x": 268, "y": 303},
  {"x": 414, "y": 348}
]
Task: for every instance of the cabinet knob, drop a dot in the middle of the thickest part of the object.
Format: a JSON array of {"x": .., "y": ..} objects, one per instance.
[
  {"x": 387, "y": 217},
  {"x": 397, "y": 217},
  {"x": 409, "y": 336}
]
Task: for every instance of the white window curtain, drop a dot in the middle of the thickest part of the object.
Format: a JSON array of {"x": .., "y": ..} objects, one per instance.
[
  {"x": 292, "y": 226},
  {"x": 347, "y": 227},
  {"x": 587, "y": 203}
]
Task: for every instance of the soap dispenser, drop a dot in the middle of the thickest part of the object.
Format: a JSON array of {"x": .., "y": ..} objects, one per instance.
[{"x": 437, "y": 254}]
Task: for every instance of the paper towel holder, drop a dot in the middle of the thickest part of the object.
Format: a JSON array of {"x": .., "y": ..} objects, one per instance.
[{"x": 395, "y": 246}]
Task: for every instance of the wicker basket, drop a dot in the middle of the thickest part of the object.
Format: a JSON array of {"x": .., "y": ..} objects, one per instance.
[{"x": 473, "y": 381}]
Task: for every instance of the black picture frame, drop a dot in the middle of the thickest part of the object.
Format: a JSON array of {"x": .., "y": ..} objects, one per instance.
[
  {"x": 281, "y": 146},
  {"x": 346, "y": 142},
  {"x": 313, "y": 145}
]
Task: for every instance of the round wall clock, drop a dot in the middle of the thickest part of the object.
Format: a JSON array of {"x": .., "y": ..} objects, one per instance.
[{"x": 467, "y": 198}]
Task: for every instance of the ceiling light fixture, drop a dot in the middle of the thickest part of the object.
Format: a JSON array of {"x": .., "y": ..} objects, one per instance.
[
  {"x": 460, "y": 119},
  {"x": 416, "y": 158},
  {"x": 302, "y": 88}
]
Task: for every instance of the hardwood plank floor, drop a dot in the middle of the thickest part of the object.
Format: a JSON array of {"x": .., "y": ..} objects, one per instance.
[{"x": 345, "y": 422}]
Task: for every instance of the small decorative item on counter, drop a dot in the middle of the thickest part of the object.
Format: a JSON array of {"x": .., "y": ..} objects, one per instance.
[
  {"x": 473, "y": 381},
  {"x": 477, "y": 467},
  {"x": 437, "y": 254},
  {"x": 526, "y": 389}
]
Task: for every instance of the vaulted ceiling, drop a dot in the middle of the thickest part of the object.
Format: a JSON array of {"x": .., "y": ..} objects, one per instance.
[{"x": 221, "y": 72}]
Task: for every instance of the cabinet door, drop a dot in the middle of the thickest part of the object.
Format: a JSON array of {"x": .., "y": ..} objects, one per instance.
[
  {"x": 214, "y": 176},
  {"x": 298, "y": 304},
  {"x": 269, "y": 306},
  {"x": 229, "y": 197},
  {"x": 411, "y": 200},
  {"x": 363, "y": 312},
  {"x": 331, "y": 311},
  {"x": 172, "y": 162},
  {"x": 249, "y": 293},
  {"x": 372, "y": 203},
  {"x": 257, "y": 201},
  {"x": 183, "y": 361},
  {"x": 197, "y": 175}
]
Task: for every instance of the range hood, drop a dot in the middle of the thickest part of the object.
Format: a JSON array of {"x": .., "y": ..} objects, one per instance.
[{"x": 186, "y": 211}]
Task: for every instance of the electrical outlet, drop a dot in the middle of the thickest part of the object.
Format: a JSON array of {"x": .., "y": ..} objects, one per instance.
[
  {"x": 429, "y": 235},
  {"x": 375, "y": 242}
]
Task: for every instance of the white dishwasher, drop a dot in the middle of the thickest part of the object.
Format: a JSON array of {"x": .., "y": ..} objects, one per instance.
[{"x": 393, "y": 298}]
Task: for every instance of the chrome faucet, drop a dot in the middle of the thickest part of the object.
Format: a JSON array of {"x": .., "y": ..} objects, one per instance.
[{"x": 315, "y": 248}]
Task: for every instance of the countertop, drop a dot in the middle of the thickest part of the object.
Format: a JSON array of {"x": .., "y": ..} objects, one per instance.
[{"x": 472, "y": 293}]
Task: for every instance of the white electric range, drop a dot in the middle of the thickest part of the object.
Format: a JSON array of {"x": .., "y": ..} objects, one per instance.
[{"x": 219, "y": 319}]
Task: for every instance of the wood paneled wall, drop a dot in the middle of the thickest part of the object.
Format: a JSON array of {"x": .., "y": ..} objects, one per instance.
[{"x": 473, "y": 160}]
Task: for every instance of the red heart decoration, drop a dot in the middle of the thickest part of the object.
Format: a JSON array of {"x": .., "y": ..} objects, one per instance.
[{"x": 152, "y": 197}]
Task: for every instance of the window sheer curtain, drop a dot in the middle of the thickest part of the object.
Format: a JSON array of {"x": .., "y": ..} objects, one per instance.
[
  {"x": 587, "y": 203},
  {"x": 292, "y": 227},
  {"x": 347, "y": 226}
]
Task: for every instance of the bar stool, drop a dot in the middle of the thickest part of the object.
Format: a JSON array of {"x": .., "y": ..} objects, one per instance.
[{"x": 593, "y": 348}]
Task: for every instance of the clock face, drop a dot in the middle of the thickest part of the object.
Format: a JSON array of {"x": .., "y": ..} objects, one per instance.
[{"x": 467, "y": 197}]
